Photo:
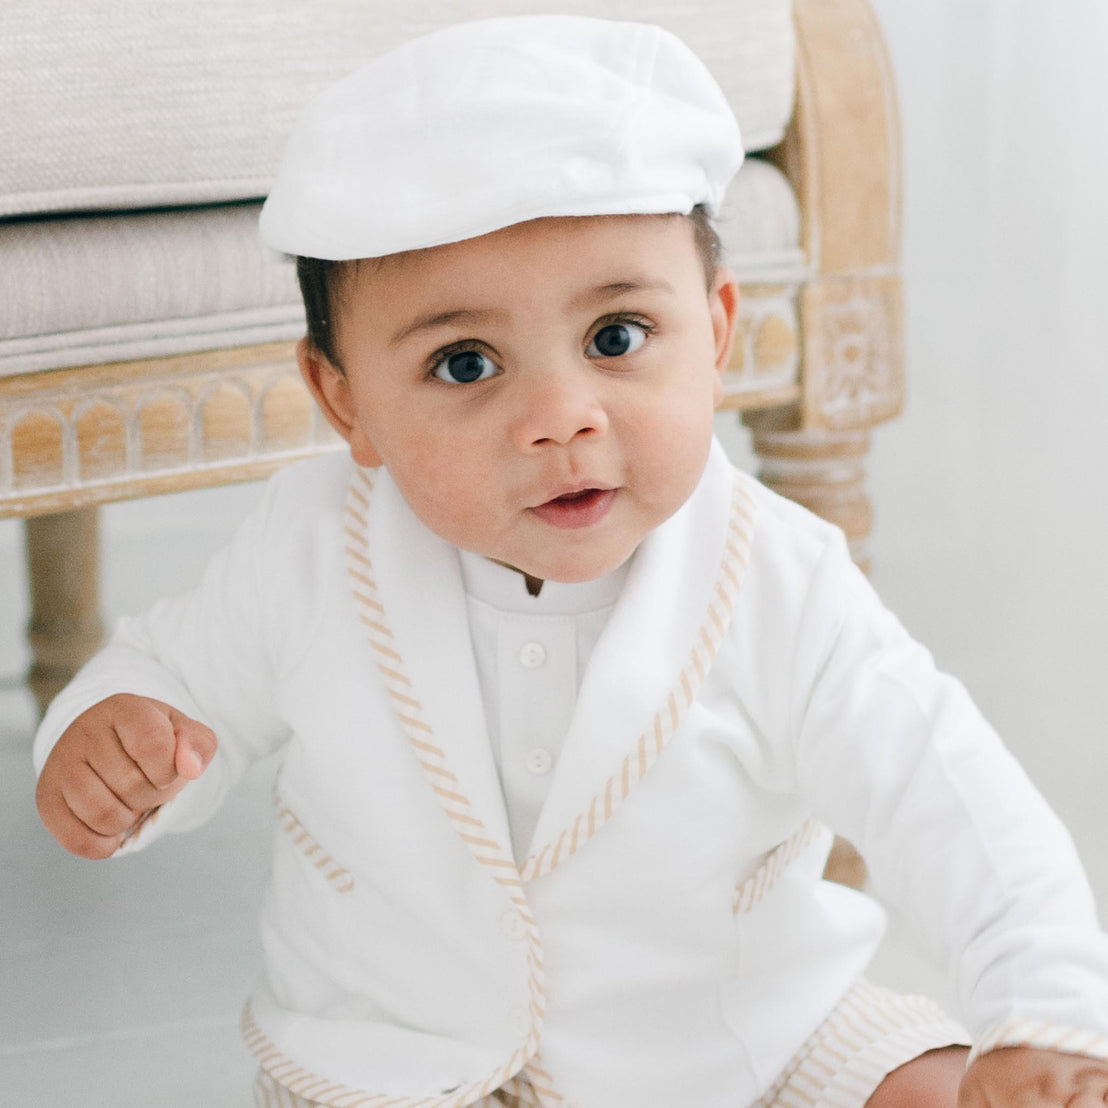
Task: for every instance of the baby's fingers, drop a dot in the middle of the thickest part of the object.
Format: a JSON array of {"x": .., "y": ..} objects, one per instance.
[
  {"x": 122, "y": 775},
  {"x": 84, "y": 815},
  {"x": 146, "y": 736},
  {"x": 97, "y": 806},
  {"x": 165, "y": 744},
  {"x": 168, "y": 742},
  {"x": 195, "y": 745}
]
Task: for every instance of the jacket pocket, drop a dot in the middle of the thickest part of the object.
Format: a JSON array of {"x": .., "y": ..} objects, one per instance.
[
  {"x": 773, "y": 866},
  {"x": 342, "y": 879}
]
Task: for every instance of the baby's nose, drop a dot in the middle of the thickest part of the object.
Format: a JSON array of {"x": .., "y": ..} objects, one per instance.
[{"x": 558, "y": 408}]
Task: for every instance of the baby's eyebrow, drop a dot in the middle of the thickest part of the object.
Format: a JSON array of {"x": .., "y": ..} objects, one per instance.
[
  {"x": 617, "y": 288},
  {"x": 491, "y": 315},
  {"x": 441, "y": 319}
]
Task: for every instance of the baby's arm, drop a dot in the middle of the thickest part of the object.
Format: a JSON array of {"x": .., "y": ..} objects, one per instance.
[
  {"x": 114, "y": 765},
  {"x": 895, "y": 756},
  {"x": 219, "y": 654},
  {"x": 1021, "y": 1075}
]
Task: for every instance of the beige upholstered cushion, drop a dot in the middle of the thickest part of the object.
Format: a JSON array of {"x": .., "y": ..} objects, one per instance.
[
  {"x": 111, "y": 105},
  {"x": 114, "y": 287}
]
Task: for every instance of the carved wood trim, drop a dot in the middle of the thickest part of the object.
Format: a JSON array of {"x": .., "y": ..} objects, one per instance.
[
  {"x": 853, "y": 373},
  {"x": 765, "y": 361},
  {"x": 842, "y": 155},
  {"x": 79, "y": 437},
  {"x": 842, "y": 148}
]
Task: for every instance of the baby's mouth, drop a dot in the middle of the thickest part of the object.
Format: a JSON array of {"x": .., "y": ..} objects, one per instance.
[{"x": 580, "y": 508}]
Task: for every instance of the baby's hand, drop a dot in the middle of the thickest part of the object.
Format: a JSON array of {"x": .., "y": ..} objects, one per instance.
[
  {"x": 1043, "y": 1078},
  {"x": 114, "y": 765}
]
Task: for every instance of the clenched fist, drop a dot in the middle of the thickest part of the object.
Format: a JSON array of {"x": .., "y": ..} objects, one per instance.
[
  {"x": 113, "y": 766},
  {"x": 1023, "y": 1077}
]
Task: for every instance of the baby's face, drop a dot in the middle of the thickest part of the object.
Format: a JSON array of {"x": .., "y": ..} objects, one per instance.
[{"x": 542, "y": 395}]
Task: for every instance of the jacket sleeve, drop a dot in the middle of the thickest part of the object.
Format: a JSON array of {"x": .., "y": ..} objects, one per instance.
[
  {"x": 209, "y": 653},
  {"x": 895, "y": 756}
]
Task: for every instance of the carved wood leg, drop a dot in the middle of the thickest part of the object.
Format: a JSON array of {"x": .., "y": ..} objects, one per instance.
[
  {"x": 65, "y": 626},
  {"x": 824, "y": 471}
]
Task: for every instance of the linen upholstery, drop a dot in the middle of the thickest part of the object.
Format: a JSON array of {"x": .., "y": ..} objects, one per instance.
[
  {"x": 118, "y": 106},
  {"x": 111, "y": 287}
]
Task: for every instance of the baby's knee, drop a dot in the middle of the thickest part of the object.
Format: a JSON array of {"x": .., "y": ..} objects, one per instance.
[{"x": 929, "y": 1081}]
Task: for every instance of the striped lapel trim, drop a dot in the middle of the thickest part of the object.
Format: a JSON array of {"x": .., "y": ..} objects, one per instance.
[
  {"x": 766, "y": 876},
  {"x": 669, "y": 717},
  {"x": 496, "y": 861},
  {"x": 491, "y": 855}
]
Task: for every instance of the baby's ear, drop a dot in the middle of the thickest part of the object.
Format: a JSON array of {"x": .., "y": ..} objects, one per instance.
[
  {"x": 332, "y": 392},
  {"x": 723, "y": 303}
]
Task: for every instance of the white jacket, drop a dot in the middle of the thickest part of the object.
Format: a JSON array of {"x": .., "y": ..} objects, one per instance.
[{"x": 669, "y": 940}]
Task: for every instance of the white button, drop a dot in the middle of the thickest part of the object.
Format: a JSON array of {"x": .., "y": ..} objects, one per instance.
[
  {"x": 532, "y": 655},
  {"x": 539, "y": 761},
  {"x": 511, "y": 923},
  {"x": 519, "y": 1021}
]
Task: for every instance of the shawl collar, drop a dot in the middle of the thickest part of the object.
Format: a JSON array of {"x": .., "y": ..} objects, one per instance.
[
  {"x": 643, "y": 674},
  {"x": 420, "y": 586},
  {"x": 640, "y": 655}
]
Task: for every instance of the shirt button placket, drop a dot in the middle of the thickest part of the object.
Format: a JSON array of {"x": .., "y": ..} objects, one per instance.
[{"x": 539, "y": 762}]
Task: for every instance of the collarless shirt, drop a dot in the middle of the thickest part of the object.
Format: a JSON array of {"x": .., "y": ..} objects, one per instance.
[{"x": 531, "y": 653}]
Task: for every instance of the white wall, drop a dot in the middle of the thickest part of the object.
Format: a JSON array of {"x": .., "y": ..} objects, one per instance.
[{"x": 991, "y": 493}]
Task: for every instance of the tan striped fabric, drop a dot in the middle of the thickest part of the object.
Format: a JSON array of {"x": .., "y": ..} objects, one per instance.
[
  {"x": 490, "y": 854},
  {"x": 341, "y": 878},
  {"x": 270, "y": 1094},
  {"x": 751, "y": 891},
  {"x": 668, "y": 719},
  {"x": 1043, "y": 1036},
  {"x": 872, "y": 1032}
]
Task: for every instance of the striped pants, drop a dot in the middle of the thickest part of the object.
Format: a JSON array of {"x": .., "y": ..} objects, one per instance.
[
  {"x": 269, "y": 1094},
  {"x": 872, "y": 1032}
]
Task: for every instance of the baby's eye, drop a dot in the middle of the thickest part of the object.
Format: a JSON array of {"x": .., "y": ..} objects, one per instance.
[
  {"x": 617, "y": 339},
  {"x": 464, "y": 367}
]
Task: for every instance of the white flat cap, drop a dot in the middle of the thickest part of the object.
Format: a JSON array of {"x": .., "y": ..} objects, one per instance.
[{"x": 485, "y": 124}]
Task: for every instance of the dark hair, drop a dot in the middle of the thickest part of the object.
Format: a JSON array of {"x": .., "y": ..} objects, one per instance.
[
  {"x": 708, "y": 243},
  {"x": 321, "y": 283}
]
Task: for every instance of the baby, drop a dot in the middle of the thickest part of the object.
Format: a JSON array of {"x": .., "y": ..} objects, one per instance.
[{"x": 569, "y": 707}]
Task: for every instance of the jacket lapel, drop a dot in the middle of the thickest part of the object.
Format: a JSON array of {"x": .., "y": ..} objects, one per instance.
[
  {"x": 643, "y": 675},
  {"x": 419, "y": 587},
  {"x": 649, "y": 661}
]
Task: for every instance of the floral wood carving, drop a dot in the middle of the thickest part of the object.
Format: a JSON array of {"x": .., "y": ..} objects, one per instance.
[{"x": 853, "y": 363}]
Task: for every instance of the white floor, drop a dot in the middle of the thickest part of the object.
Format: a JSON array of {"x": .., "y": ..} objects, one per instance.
[{"x": 121, "y": 984}]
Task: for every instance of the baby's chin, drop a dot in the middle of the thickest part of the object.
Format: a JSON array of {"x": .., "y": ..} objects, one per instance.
[{"x": 576, "y": 571}]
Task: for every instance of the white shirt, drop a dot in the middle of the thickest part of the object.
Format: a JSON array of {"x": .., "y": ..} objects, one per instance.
[{"x": 531, "y": 653}]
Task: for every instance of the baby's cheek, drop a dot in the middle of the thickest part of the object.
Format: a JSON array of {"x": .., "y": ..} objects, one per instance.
[
  {"x": 682, "y": 422},
  {"x": 449, "y": 499},
  {"x": 678, "y": 452}
]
